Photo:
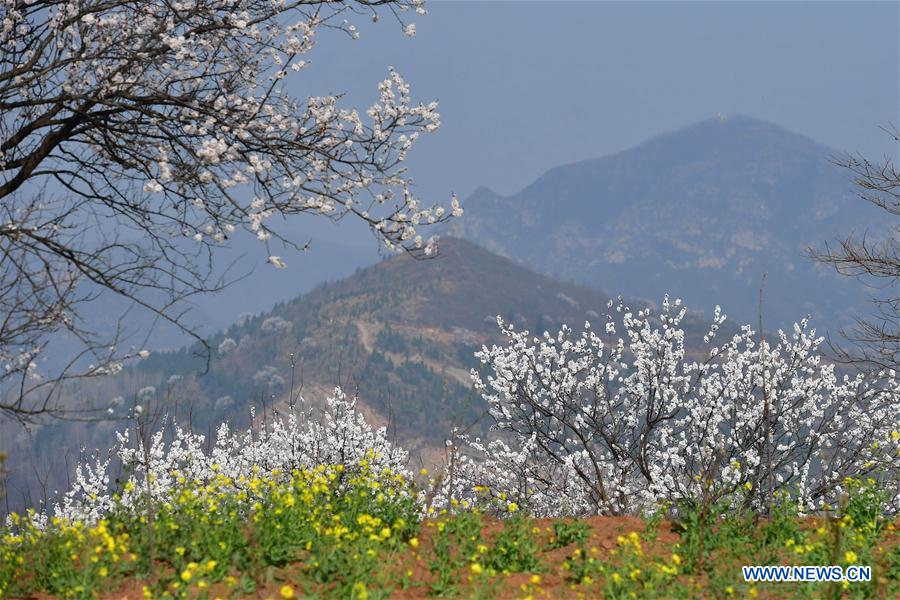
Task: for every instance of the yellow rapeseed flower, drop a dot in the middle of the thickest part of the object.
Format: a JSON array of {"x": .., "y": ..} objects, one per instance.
[
  {"x": 287, "y": 591},
  {"x": 360, "y": 591}
]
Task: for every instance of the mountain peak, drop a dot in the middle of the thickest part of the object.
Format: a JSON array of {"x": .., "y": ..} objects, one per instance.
[
  {"x": 483, "y": 190},
  {"x": 725, "y": 129},
  {"x": 702, "y": 212}
]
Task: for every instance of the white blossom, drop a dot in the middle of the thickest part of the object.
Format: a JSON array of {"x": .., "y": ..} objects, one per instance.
[
  {"x": 338, "y": 434},
  {"x": 226, "y": 346},
  {"x": 620, "y": 425}
]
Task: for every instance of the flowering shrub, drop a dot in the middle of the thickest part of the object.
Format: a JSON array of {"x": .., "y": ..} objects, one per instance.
[
  {"x": 337, "y": 436},
  {"x": 617, "y": 425}
]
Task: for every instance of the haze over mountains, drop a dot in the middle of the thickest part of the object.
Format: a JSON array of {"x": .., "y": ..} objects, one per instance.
[{"x": 700, "y": 213}]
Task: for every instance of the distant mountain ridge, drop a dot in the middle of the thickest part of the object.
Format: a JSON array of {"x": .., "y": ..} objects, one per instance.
[{"x": 701, "y": 212}]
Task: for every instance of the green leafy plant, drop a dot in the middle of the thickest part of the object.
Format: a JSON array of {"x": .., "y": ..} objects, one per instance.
[{"x": 567, "y": 532}]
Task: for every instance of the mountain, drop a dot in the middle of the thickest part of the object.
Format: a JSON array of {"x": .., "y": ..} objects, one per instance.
[
  {"x": 700, "y": 213},
  {"x": 400, "y": 334}
]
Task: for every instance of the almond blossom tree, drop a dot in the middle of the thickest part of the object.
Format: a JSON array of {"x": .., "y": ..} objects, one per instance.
[
  {"x": 138, "y": 136},
  {"x": 621, "y": 424}
]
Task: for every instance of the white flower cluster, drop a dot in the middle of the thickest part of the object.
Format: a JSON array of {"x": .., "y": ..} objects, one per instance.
[
  {"x": 226, "y": 346},
  {"x": 623, "y": 424},
  {"x": 188, "y": 100},
  {"x": 339, "y": 435}
]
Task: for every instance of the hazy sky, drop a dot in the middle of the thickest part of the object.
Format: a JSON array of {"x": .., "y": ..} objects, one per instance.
[{"x": 525, "y": 86}]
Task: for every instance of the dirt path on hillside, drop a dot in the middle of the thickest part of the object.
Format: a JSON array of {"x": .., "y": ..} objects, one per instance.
[{"x": 367, "y": 332}]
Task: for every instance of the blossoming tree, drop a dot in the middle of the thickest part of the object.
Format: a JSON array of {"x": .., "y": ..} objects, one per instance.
[
  {"x": 621, "y": 424},
  {"x": 137, "y": 136},
  {"x": 337, "y": 435}
]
